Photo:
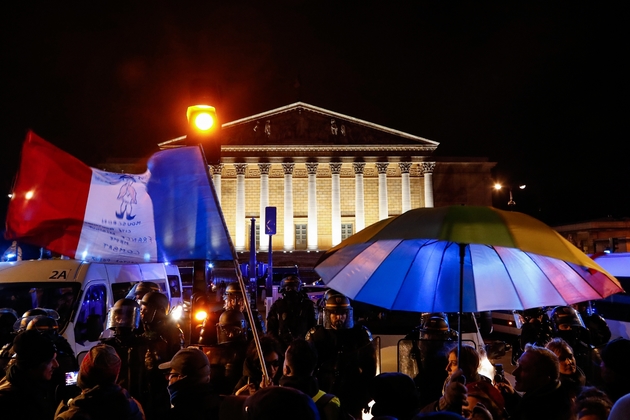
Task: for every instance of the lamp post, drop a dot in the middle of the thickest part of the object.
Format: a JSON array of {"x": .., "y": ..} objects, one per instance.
[
  {"x": 511, "y": 203},
  {"x": 204, "y": 130}
]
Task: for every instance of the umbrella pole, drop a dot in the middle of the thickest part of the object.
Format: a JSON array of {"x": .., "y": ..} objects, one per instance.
[{"x": 462, "y": 255}]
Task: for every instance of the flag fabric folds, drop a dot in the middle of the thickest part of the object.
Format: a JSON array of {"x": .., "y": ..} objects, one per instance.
[{"x": 168, "y": 213}]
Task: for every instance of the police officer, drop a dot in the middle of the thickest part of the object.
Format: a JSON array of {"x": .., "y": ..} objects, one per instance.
[
  {"x": 20, "y": 324},
  {"x": 163, "y": 339},
  {"x": 568, "y": 325},
  {"x": 123, "y": 319},
  {"x": 597, "y": 326},
  {"x": 535, "y": 329},
  {"x": 140, "y": 289},
  {"x": 8, "y": 318},
  {"x": 228, "y": 355},
  {"x": 347, "y": 356},
  {"x": 292, "y": 315},
  {"x": 233, "y": 298},
  {"x": 430, "y": 346}
]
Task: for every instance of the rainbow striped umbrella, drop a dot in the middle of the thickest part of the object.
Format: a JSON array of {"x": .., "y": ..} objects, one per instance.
[{"x": 463, "y": 259}]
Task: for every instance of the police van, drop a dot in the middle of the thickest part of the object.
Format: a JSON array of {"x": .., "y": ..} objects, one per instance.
[
  {"x": 80, "y": 292},
  {"x": 616, "y": 308}
]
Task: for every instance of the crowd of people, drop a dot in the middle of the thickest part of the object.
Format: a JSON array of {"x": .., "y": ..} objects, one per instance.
[{"x": 316, "y": 364}]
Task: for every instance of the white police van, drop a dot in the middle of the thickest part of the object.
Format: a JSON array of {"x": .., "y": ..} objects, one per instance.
[{"x": 81, "y": 292}]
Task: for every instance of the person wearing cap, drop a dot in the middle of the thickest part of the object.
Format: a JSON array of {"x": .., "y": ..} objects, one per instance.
[
  {"x": 101, "y": 397},
  {"x": 25, "y": 392},
  {"x": 189, "y": 388}
]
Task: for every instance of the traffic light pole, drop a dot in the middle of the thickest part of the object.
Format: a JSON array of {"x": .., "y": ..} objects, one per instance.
[{"x": 239, "y": 276}]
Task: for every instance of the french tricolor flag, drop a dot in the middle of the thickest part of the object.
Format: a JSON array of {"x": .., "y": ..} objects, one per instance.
[{"x": 168, "y": 213}]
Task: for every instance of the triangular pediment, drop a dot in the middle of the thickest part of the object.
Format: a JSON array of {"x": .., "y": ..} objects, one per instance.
[{"x": 303, "y": 124}]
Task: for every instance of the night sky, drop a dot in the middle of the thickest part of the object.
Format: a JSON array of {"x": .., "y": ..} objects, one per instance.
[{"x": 539, "y": 87}]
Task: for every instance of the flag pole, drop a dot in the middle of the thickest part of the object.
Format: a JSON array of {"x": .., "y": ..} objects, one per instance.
[{"x": 237, "y": 268}]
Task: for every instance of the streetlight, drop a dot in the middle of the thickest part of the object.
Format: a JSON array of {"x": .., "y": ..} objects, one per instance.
[
  {"x": 511, "y": 203},
  {"x": 203, "y": 128}
]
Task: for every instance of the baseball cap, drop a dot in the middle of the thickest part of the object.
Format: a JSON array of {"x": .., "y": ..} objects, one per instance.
[{"x": 188, "y": 362}]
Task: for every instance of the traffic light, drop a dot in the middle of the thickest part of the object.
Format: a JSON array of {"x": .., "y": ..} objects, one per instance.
[
  {"x": 200, "y": 311},
  {"x": 204, "y": 129}
]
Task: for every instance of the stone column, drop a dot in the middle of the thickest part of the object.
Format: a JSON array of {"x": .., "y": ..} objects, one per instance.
[
  {"x": 359, "y": 202},
  {"x": 289, "y": 228},
  {"x": 216, "y": 179},
  {"x": 427, "y": 171},
  {"x": 311, "y": 230},
  {"x": 335, "y": 170},
  {"x": 381, "y": 167},
  {"x": 406, "y": 189},
  {"x": 239, "y": 235},
  {"x": 264, "y": 202}
]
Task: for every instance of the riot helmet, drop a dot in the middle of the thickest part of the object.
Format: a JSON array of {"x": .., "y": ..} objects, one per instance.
[
  {"x": 338, "y": 313},
  {"x": 44, "y": 324},
  {"x": 140, "y": 289},
  {"x": 231, "y": 327},
  {"x": 153, "y": 307},
  {"x": 436, "y": 328},
  {"x": 566, "y": 318},
  {"x": 233, "y": 297},
  {"x": 8, "y": 317},
  {"x": 290, "y": 285},
  {"x": 124, "y": 314},
  {"x": 22, "y": 323}
]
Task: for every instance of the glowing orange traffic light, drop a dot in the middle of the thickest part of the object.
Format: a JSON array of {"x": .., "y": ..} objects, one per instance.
[
  {"x": 203, "y": 129},
  {"x": 202, "y": 118}
]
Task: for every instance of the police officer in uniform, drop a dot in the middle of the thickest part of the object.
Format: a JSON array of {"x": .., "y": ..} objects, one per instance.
[
  {"x": 163, "y": 339},
  {"x": 292, "y": 315},
  {"x": 124, "y": 320},
  {"x": 228, "y": 355},
  {"x": 568, "y": 325},
  {"x": 430, "y": 346},
  {"x": 347, "y": 356}
]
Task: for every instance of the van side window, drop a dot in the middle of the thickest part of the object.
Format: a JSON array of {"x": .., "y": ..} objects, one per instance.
[
  {"x": 91, "y": 320},
  {"x": 173, "y": 282}
]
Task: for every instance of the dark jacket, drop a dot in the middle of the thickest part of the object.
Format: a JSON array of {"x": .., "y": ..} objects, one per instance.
[
  {"x": 290, "y": 318},
  {"x": 548, "y": 403},
  {"x": 190, "y": 401},
  {"x": 103, "y": 402},
  {"x": 23, "y": 398},
  {"x": 308, "y": 385}
]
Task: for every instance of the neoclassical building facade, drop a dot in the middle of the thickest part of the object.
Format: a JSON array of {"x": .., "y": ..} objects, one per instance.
[{"x": 330, "y": 175}]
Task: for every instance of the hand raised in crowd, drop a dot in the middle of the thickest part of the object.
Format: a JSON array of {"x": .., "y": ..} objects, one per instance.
[
  {"x": 250, "y": 389},
  {"x": 455, "y": 393}
]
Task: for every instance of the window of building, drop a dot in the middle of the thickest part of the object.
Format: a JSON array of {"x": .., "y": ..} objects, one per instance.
[
  {"x": 300, "y": 236},
  {"x": 346, "y": 230}
]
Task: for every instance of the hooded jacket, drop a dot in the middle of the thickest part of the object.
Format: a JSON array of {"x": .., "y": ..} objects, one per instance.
[
  {"x": 23, "y": 398},
  {"x": 102, "y": 402}
]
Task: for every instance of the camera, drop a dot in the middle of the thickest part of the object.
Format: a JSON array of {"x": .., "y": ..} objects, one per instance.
[
  {"x": 499, "y": 375},
  {"x": 71, "y": 377}
]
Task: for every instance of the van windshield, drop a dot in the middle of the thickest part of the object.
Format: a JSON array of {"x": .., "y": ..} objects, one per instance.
[{"x": 24, "y": 296}]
